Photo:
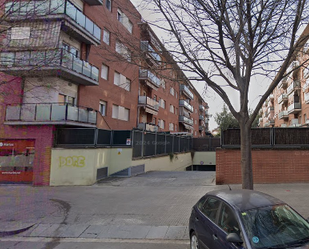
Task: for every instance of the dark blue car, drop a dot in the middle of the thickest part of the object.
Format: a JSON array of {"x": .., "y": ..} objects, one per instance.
[{"x": 246, "y": 219}]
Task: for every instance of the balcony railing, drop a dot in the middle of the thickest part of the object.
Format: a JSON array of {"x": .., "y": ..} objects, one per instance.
[
  {"x": 184, "y": 112},
  {"x": 148, "y": 127},
  {"x": 200, "y": 128},
  {"x": 50, "y": 113},
  {"x": 148, "y": 102},
  {"x": 293, "y": 108},
  {"x": 30, "y": 63},
  {"x": 186, "y": 120},
  {"x": 52, "y": 9},
  {"x": 202, "y": 108},
  {"x": 283, "y": 114},
  {"x": 284, "y": 82},
  {"x": 201, "y": 117},
  {"x": 293, "y": 86},
  {"x": 282, "y": 98},
  {"x": 145, "y": 46},
  {"x": 186, "y": 91},
  {"x": 185, "y": 104},
  {"x": 145, "y": 74}
]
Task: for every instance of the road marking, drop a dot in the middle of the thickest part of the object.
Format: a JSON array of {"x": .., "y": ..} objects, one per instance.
[{"x": 93, "y": 240}]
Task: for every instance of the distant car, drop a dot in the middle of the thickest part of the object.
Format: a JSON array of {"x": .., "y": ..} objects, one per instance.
[{"x": 246, "y": 219}]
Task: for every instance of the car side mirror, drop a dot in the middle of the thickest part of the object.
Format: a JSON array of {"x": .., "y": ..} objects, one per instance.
[{"x": 234, "y": 238}]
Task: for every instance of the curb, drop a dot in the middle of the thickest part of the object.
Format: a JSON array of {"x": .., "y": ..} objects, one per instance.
[{"x": 14, "y": 232}]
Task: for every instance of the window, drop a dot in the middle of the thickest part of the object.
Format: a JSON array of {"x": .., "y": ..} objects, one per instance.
[
  {"x": 102, "y": 108},
  {"x": 195, "y": 121},
  {"x": 121, "y": 17},
  {"x": 171, "y": 126},
  {"x": 163, "y": 84},
  {"x": 108, "y": 4},
  {"x": 70, "y": 49},
  {"x": 20, "y": 33},
  {"x": 227, "y": 220},
  {"x": 104, "y": 72},
  {"x": 155, "y": 97},
  {"x": 172, "y": 109},
  {"x": 161, "y": 124},
  {"x": 62, "y": 99},
  {"x": 162, "y": 103},
  {"x": 123, "y": 50},
  {"x": 172, "y": 91},
  {"x": 121, "y": 113},
  {"x": 210, "y": 208},
  {"x": 154, "y": 120},
  {"x": 122, "y": 81},
  {"x": 106, "y": 36}
]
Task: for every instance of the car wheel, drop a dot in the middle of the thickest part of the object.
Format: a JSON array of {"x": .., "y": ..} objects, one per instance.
[{"x": 193, "y": 241}]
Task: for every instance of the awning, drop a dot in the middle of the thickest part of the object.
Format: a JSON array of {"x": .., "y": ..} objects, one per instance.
[{"x": 148, "y": 110}]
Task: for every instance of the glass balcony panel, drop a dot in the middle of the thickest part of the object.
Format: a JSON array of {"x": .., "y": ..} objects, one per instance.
[
  {"x": 57, "y": 7},
  {"x": 13, "y": 112},
  {"x": 92, "y": 117},
  {"x": 78, "y": 65},
  {"x": 41, "y": 8},
  {"x": 81, "y": 19},
  {"x": 95, "y": 74},
  {"x": 53, "y": 57},
  {"x": 43, "y": 112},
  {"x": 72, "y": 113},
  {"x": 97, "y": 32},
  {"x": 22, "y": 58},
  {"x": 7, "y": 59},
  {"x": 82, "y": 115},
  {"x": 58, "y": 112},
  {"x": 86, "y": 69},
  {"x": 71, "y": 11},
  {"x": 28, "y": 113},
  {"x": 89, "y": 25},
  {"x": 67, "y": 59},
  {"x": 26, "y": 9}
]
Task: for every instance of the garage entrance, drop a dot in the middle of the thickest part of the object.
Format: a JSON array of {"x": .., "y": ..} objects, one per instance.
[{"x": 16, "y": 161}]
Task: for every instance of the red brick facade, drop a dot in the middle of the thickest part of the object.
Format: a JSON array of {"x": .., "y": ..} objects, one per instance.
[{"x": 269, "y": 166}]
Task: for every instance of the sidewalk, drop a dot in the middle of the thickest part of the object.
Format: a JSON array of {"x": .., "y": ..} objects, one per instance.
[{"x": 154, "y": 205}]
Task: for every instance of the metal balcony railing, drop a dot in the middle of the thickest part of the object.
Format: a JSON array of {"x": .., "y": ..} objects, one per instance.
[
  {"x": 145, "y": 46},
  {"x": 185, "y": 104},
  {"x": 144, "y": 100},
  {"x": 145, "y": 74},
  {"x": 283, "y": 114},
  {"x": 283, "y": 97},
  {"x": 295, "y": 107},
  {"x": 186, "y": 90},
  {"x": 47, "y": 60},
  {"x": 50, "y": 112},
  {"x": 293, "y": 86},
  {"x": 36, "y": 9},
  {"x": 185, "y": 120}
]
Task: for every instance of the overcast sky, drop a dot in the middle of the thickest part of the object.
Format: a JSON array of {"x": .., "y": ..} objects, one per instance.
[{"x": 214, "y": 101}]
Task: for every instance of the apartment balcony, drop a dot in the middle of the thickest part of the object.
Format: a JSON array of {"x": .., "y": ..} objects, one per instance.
[
  {"x": 202, "y": 108},
  {"x": 201, "y": 117},
  {"x": 270, "y": 97},
  {"x": 185, "y": 104},
  {"x": 56, "y": 62},
  {"x": 295, "y": 85},
  {"x": 148, "y": 127},
  {"x": 294, "y": 123},
  {"x": 94, "y": 2},
  {"x": 282, "y": 98},
  {"x": 74, "y": 22},
  {"x": 283, "y": 83},
  {"x": 294, "y": 108},
  {"x": 283, "y": 115},
  {"x": 185, "y": 120},
  {"x": 283, "y": 125},
  {"x": 149, "y": 78},
  {"x": 270, "y": 109},
  {"x": 152, "y": 57},
  {"x": 151, "y": 106},
  {"x": 50, "y": 114},
  {"x": 200, "y": 128},
  {"x": 306, "y": 97},
  {"x": 206, "y": 120},
  {"x": 184, "y": 112},
  {"x": 186, "y": 91},
  {"x": 202, "y": 123}
]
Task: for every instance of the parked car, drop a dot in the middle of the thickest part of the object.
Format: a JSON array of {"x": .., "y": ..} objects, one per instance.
[{"x": 246, "y": 219}]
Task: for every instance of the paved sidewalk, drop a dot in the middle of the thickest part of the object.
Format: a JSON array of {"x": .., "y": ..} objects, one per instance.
[{"x": 152, "y": 206}]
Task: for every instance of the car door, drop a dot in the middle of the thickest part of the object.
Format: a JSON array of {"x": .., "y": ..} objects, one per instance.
[
  {"x": 205, "y": 221},
  {"x": 227, "y": 223}
]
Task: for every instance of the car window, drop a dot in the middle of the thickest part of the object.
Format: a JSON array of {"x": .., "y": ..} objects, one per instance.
[
  {"x": 227, "y": 220},
  {"x": 210, "y": 208}
]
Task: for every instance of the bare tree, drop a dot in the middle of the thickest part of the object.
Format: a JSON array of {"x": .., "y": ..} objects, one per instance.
[{"x": 225, "y": 44}]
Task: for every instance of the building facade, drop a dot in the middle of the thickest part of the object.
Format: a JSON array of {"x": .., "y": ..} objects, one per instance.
[{"x": 89, "y": 63}]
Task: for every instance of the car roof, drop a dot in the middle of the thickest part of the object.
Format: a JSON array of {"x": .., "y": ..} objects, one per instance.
[{"x": 243, "y": 199}]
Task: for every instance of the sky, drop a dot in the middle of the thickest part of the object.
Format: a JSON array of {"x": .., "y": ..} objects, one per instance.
[{"x": 215, "y": 103}]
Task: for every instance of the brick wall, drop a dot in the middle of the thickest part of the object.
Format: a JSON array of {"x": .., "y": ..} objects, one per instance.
[{"x": 269, "y": 166}]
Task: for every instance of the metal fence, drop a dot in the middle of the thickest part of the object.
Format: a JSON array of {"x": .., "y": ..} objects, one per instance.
[
  {"x": 274, "y": 137},
  {"x": 206, "y": 143},
  {"x": 153, "y": 143}
]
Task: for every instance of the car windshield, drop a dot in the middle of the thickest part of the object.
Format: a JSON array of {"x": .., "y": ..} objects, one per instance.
[{"x": 276, "y": 226}]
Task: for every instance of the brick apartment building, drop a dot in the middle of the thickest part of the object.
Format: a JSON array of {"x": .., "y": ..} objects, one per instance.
[
  {"x": 288, "y": 105},
  {"x": 90, "y": 63}
]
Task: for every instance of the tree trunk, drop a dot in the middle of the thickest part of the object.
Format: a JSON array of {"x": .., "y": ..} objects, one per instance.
[{"x": 246, "y": 157}]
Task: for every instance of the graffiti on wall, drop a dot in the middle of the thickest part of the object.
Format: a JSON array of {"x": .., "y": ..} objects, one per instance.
[{"x": 72, "y": 161}]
